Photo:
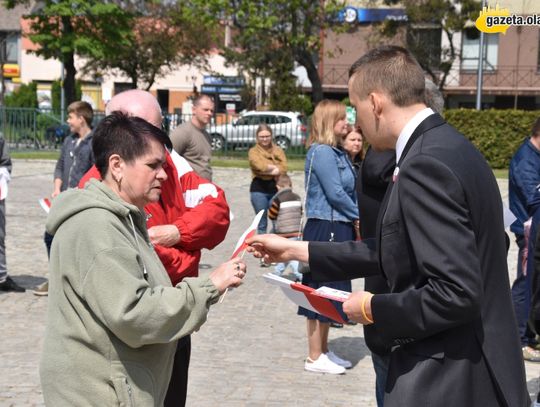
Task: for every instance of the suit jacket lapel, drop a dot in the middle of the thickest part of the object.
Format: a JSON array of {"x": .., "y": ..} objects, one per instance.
[{"x": 429, "y": 123}]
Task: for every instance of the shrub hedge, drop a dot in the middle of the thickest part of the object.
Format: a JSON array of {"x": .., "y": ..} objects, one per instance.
[{"x": 496, "y": 133}]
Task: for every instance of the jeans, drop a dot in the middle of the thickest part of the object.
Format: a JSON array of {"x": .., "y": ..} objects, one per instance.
[
  {"x": 380, "y": 365},
  {"x": 521, "y": 296},
  {"x": 260, "y": 201},
  {"x": 280, "y": 267}
]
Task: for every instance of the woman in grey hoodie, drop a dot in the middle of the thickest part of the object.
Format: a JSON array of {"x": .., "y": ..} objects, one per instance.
[{"x": 113, "y": 318}]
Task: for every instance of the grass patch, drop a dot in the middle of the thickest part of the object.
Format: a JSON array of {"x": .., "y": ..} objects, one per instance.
[
  {"x": 294, "y": 164},
  {"x": 35, "y": 155}
]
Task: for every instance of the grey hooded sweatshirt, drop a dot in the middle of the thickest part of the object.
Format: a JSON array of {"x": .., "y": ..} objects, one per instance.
[{"x": 113, "y": 318}]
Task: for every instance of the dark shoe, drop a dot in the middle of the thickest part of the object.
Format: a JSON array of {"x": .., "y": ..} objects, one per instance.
[
  {"x": 336, "y": 325},
  {"x": 10, "y": 285},
  {"x": 352, "y": 323}
]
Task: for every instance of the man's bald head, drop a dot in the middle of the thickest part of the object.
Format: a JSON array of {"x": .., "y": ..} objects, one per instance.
[{"x": 138, "y": 103}]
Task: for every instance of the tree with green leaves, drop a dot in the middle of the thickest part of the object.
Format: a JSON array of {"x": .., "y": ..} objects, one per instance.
[
  {"x": 426, "y": 21},
  {"x": 163, "y": 36},
  {"x": 65, "y": 28},
  {"x": 263, "y": 31}
]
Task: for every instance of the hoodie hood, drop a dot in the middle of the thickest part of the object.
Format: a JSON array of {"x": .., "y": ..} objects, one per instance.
[{"x": 95, "y": 195}]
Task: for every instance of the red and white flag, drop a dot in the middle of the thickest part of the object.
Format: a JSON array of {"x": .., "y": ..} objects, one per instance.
[
  {"x": 250, "y": 231},
  {"x": 45, "y": 204},
  {"x": 322, "y": 301}
]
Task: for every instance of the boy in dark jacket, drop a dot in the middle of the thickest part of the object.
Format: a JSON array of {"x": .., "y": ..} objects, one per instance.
[{"x": 76, "y": 158}]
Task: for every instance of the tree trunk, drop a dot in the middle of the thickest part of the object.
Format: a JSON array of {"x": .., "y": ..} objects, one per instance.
[
  {"x": 69, "y": 65},
  {"x": 69, "y": 79},
  {"x": 305, "y": 59}
]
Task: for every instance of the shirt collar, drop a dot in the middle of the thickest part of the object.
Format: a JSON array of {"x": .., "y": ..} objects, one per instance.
[{"x": 409, "y": 129}]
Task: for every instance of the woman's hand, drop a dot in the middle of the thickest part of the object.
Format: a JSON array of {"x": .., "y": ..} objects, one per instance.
[
  {"x": 272, "y": 169},
  {"x": 229, "y": 274}
]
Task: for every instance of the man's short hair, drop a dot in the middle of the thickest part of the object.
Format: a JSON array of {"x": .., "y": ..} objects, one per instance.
[
  {"x": 284, "y": 181},
  {"x": 127, "y": 136},
  {"x": 82, "y": 109},
  {"x": 392, "y": 70},
  {"x": 535, "y": 132},
  {"x": 202, "y": 97}
]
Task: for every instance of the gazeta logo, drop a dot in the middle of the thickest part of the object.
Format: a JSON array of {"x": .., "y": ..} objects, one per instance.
[{"x": 493, "y": 21}]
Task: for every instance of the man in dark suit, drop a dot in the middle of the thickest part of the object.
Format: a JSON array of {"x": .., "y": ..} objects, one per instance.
[{"x": 440, "y": 245}]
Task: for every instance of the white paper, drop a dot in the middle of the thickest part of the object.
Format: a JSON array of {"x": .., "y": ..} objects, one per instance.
[
  {"x": 333, "y": 293},
  {"x": 508, "y": 217}
]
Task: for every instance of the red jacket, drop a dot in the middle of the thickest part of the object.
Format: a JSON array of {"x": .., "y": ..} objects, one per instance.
[{"x": 195, "y": 206}]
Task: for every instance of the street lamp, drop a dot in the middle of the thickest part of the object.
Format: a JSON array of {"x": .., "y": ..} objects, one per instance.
[{"x": 480, "y": 73}]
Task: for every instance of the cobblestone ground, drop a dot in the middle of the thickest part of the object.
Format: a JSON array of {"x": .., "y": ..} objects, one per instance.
[{"x": 249, "y": 353}]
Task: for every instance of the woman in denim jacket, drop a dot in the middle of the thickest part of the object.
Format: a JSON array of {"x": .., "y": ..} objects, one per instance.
[{"x": 330, "y": 210}]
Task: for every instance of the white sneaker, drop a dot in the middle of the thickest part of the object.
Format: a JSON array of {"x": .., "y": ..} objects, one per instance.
[
  {"x": 338, "y": 361},
  {"x": 323, "y": 365}
]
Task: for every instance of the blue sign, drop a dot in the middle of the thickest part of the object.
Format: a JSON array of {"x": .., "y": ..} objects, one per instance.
[
  {"x": 371, "y": 15},
  {"x": 224, "y": 80}
]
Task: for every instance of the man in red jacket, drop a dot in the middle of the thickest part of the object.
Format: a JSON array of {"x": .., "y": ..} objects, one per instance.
[{"x": 191, "y": 214}]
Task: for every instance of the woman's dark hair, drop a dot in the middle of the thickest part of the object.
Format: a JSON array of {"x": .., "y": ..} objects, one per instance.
[{"x": 127, "y": 136}]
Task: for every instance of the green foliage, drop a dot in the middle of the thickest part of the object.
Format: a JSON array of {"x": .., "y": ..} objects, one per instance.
[
  {"x": 496, "y": 133},
  {"x": 271, "y": 33},
  {"x": 164, "y": 36},
  {"x": 88, "y": 28},
  {"x": 56, "y": 94},
  {"x": 24, "y": 96},
  {"x": 427, "y": 20},
  {"x": 286, "y": 96}
]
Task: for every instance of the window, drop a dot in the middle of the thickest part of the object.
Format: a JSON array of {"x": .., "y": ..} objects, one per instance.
[
  {"x": 283, "y": 119},
  {"x": 425, "y": 42},
  {"x": 470, "y": 47},
  {"x": 10, "y": 43}
]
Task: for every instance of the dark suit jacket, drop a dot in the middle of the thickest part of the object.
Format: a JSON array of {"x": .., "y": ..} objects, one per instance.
[
  {"x": 441, "y": 248},
  {"x": 374, "y": 175}
]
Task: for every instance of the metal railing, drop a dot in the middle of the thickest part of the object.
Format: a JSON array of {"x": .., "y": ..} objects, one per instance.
[
  {"x": 38, "y": 129},
  {"x": 502, "y": 76}
]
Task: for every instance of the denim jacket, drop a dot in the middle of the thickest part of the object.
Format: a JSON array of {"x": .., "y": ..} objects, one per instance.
[{"x": 331, "y": 193}]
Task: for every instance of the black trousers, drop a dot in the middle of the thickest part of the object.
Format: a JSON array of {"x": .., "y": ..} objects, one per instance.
[{"x": 177, "y": 391}]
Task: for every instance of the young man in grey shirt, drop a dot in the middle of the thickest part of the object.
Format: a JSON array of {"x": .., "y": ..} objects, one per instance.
[{"x": 192, "y": 141}]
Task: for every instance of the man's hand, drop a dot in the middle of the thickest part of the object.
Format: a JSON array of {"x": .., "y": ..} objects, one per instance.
[
  {"x": 164, "y": 235},
  {"x": 353, "y": 307},
  {"x": 277, "y": 249}
]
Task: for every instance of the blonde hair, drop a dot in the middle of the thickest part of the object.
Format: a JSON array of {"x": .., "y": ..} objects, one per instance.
[{"x": 326, "y": 115}]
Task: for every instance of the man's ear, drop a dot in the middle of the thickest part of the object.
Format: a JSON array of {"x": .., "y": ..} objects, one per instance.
[{"x": 376, "y": 100}]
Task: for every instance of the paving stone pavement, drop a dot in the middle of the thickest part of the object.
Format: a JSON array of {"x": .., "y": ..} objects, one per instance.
[{"x": 249, "y": 353}]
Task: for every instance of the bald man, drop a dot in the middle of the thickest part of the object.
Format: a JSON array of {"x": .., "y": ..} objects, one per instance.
[{"x": 191, "y": 214}]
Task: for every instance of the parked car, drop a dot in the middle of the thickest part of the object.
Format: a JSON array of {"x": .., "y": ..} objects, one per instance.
[{"x": 289, "y": 129}]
